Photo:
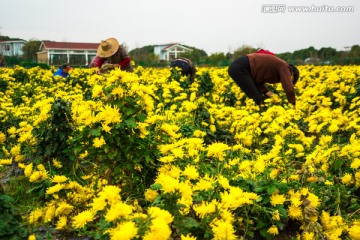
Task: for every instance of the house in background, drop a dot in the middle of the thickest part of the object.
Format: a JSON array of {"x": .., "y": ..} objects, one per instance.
[
  {"x": 12, "y": 48},
  {"x": 168, "y": 52},
  {"x": 58, "y": 53}
]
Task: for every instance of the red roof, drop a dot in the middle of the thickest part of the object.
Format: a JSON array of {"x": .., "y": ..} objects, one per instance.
[{"x": 70, "y": 45}]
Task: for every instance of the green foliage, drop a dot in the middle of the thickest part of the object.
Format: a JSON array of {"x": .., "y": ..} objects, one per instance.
[
  {"x": 126, "y": 158},
  {"x": 3, "y": 85},
  {"x": 21, "y": 75},
  {"x": 206, "y": 84},
  {"x": 30, "y": 49},
  {"x": 53, "y": 135},
  {"x": 326, "y": 55},
  {"x": 11, "y": 226},
  {"x": 244, "y": 49},
  {"x": 217, "y": 59},
  {"x": 27, "y": 64},
  {"x": 145, "y": 57},
  {"x": 177, "y": 76},
  {"x": 197, "y": 56}
]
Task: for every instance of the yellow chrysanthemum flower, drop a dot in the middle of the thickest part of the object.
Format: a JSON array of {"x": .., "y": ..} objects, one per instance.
[
  {"x": 59, "y": 179},
  {"x": 190, "y": 172},
  {"x": 54, "y": 189},
  {"x": 99, "y": 142},
  {"x": 347, "y": 179},
  {"x": 61, "y": 223},
  {"x": 277, "y": 199},
  {"x": 273, "y": 230},
  {"x": 118, "y": 210},
  {"x": 223, "y": 230},
  {"x": 32, "y": 237},
  {"x": 123, "y": 231},
  {"x": 150, "y": 195},
  {"x": 83, "y": 218},
  {"x": 2, "y": 138}
]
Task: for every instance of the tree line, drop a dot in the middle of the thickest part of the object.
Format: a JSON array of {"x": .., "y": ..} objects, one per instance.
[
  {"x": 145, "y": 56},
  {"x": 324, "y": 56}
]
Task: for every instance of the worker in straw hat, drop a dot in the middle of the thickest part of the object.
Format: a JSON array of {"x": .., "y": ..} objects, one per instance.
[{"x": 110, "y": 55}]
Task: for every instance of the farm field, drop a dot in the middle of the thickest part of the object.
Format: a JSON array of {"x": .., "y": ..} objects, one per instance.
[{"x": 148, "y": 155}]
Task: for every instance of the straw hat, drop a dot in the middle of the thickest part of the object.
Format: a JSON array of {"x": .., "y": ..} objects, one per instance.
[{"x": 108, "y": 48}]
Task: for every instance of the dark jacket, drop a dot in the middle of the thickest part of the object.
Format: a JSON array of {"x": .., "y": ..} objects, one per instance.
[{"x": 186, "y": 65}]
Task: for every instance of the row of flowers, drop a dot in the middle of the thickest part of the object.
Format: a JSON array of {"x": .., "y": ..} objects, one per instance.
[{"x": 149, "y": 155}]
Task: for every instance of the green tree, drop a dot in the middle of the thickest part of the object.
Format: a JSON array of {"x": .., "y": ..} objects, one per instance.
[
  {"x": 287, "y": 57},
  {"x": 144, "y": 56},
  {"x": 30, "y": 49},
  {"x": 218, "y": 59},
  {"x": 327, "y": 54},
  {"x": 354, "y": 51},
  {"x": 7, "y": 38},
  {"x": 244, "y": 49},
  {"x": 197, "y": 56}
]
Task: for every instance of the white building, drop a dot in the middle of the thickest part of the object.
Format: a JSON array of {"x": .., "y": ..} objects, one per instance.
[
  {"x": 12, "y": 48},
  {"x": 168, "y": 52}
]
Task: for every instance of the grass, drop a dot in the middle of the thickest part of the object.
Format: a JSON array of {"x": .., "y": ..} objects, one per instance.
[{"x": 18, "y": 188}]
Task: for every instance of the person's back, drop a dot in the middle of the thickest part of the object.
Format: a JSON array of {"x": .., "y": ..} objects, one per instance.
[{"x": 186, "y": 65}]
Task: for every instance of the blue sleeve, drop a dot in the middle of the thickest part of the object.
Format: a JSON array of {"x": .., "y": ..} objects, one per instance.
[{"x": 58, "y": 72}]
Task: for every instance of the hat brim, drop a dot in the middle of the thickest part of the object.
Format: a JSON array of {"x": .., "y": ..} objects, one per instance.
[{"x": 114, "y": 46}]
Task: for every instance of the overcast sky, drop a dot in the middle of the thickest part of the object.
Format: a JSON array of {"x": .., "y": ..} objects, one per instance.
[{"x": 211, "y": 25}]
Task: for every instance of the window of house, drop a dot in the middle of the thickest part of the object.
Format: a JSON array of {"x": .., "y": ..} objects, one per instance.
[
  {"x": 77, "y": 60},
  {"x": 90, "y": 58},
  {"x": 172, "y": 56},
  {"x": 6, "y": 47},
  {"x": 57, "y": 59}
]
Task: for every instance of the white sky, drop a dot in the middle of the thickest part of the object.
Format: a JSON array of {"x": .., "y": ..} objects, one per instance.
[{"x": 211, "y": 25}]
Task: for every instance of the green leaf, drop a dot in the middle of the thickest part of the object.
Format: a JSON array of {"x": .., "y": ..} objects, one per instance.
[
  {"x": 271, "y": 189},
  {"x": 130, "y": 123},
  {"x": 5, "y": 198},
  {"x": 338, "y": 163},
  {"x": 251, "y": 234},
  {"x": 34, "y": 189},
  {"x": 142, "y": 117},
  {"x": 95, "y": 132},
  {"x": 282, "y": 211},
  {"x": 261, "y": 224},
  {"x": 283, "y": 188},
  {"x": 156, "y": 186},
  {"x": 264, "y": 233},
  {"x": 190, "y": 223},
  {"x": 259, "y": 189},
  {"x": 130, "y": 111},
  {"x": 149, "y": 160}
]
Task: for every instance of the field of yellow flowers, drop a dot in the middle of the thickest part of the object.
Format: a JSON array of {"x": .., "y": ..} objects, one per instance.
[{"x": 149, "y": 155}]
